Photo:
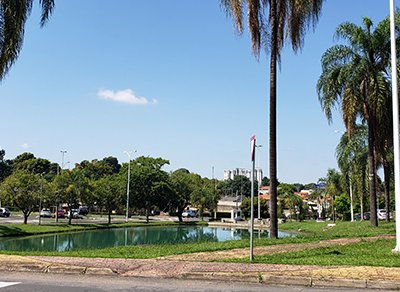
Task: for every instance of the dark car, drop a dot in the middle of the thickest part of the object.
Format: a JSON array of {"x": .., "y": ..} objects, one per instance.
[
  {"x": 83, "y": 210},
  {"x": 4, "y": 212},
  {"x": 365, "y": 216}
]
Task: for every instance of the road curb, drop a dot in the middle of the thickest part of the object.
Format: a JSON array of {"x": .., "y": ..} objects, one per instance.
[
  {"x": 388, "y": 285},
  {"x": 267, "y": 279},
  {"x": 100, "y": 272},
  {"x": 20, "y": 264}
]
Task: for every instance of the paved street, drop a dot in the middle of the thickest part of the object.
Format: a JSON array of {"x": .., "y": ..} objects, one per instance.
[{"x": 70, "y": 283}]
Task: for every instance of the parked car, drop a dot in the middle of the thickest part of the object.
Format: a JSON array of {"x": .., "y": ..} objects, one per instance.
[
  {"x": 189, "y": 214},
  {"x": 83, "y": 210},
  {"x": 75, "y": 214},
  {"x": 45, "y": 213},
  {"x": 365, "y": 216},
  {"x": 381, "y": 213},
  {"x": 60, "y": 213},
  {"x": 4, "y": 212}
]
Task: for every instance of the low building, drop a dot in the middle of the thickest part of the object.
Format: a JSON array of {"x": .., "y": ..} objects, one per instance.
[{"x": 229, "y": 207}]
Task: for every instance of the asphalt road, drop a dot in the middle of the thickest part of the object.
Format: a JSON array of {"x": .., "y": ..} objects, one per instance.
[{"x": 25, "y": 282}]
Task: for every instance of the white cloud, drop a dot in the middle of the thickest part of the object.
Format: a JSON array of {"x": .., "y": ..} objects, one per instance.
[
  {"x": 25, "y": 146},
  {"x": 125, "y": 96}
]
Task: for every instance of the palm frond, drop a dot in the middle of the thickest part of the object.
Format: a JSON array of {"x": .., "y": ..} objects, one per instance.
[
  {"x": 47, "y": 10},
  {"x": 13, "y": 17}
]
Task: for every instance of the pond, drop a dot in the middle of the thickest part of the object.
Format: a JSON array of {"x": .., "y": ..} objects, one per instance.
[{"x": 127, "y": 236}]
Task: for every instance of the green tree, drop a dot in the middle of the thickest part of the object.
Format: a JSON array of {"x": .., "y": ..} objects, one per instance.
[
  {"x": 13, "y": 17},
  {"x": 202, "y": 199},
  {"x": 270, "y": 24},
  {"x": 265, "y": 181},
  {"x": 183, "y": 184},
  {"x": 27, "y": 161},
  {"x": 290, "y": 200},
  {"x": 5, "y": 166},
  {"x": 97, "y": 169},
  {"x": 342, "y": 203},
  {"x": 71, "y": 188},
  {"x": 355, "y": 76},
  {"x": 245, "y": 207},
  {"x": 109, "y": 192},
  {"x": 22, "y": 190},
  {"x": 333, "y": 188},
  {"x": 240, "y": 185},
  {"x": 150, "y": 184}
]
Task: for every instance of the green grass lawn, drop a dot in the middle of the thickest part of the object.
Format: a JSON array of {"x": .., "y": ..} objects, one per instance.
[
  {"x": 342, "y": 229},
  {"x": 364, "y": 253}
]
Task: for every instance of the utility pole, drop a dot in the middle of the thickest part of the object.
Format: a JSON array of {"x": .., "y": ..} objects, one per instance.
[
  {"x": 395, "y": 108},
  {"x": 129, "y": 153}
]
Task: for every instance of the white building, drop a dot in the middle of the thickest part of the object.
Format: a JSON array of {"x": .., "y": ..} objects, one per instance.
[{"x": 231, "y": 173}]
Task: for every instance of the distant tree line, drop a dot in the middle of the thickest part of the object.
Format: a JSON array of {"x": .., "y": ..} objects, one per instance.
[{"x": 26, "y": 179}]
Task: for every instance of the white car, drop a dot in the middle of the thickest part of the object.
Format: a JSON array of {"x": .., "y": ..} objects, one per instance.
[
  {"x": 45, "y": 213},
  {"x": 381, "y": 214},
  {"x": 75, "y": 214},
  {"x": 189, "y": 214}
]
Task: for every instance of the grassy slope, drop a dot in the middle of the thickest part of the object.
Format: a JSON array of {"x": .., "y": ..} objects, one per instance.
[
  {"x": 377, "y": 253},
  {"x": 357, "y": 254}
]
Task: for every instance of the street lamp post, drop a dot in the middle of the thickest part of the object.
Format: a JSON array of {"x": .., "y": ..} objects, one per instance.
[
  {"x": 41, "y": 195},
  {"x": 62, "y": 159},
  {"x": 129, "y": 153},
  {"x": 395, "y": 108},
  {"x": 253, "y": 154},
  {"x": 258, "y": 182}
]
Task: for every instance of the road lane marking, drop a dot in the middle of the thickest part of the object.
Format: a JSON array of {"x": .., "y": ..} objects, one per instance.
[{"x": 6, "y": 284}]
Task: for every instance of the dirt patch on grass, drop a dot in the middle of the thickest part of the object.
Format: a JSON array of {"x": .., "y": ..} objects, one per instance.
[{"x": 270, "y": 249}]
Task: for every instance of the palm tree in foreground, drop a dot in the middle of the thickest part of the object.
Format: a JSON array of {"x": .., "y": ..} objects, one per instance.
[
  {"x": 270, "y": 23},
  {"x": 356, "y": 77},
  {"x": 13, "y": 17}
]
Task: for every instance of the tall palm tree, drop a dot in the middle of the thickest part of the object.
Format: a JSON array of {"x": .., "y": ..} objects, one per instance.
[
  {"x": 356, "y": 77},
  {"x": 352, "y": 157},
  {"x": 13, "y": 17},
  {"x": 270, "y": 23}
]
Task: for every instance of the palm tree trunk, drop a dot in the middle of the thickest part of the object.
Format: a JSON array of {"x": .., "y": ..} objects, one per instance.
[
  {"x": 386, "y": 173},
  {"x": 363, "y": 189},
  {"x": 272, "y": 121},
  {"x": 371, "y": 175}
]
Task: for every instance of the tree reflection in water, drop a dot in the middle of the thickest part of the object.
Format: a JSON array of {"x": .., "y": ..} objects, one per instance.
[{"x": 125, "y": 236}]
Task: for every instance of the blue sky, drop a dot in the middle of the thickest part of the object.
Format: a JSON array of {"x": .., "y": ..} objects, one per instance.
[{"x": 169, "y": 79}]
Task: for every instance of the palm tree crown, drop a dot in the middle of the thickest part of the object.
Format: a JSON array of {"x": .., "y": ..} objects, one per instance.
[
  {"x": 355, "y": 76},
  {"x": 13, "y": 16},
  {"x": 270, "y": 23}
]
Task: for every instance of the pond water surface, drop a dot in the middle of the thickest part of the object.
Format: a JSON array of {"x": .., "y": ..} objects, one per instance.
[{"x": 128, "y": 236}]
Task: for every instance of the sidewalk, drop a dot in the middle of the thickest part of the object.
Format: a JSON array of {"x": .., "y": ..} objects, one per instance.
[
  {"x": 203, "y": 265},
  {"x": 346, "y": 277}
]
